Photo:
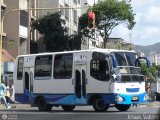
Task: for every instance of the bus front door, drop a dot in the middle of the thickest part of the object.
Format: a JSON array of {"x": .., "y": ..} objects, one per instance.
[
  {"x": 27, "y": 87},
  {"x": 80, "y": 84}
]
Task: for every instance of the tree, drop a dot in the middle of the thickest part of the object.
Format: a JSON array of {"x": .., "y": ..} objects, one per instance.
[
  {"x": 74, "y": 42},
  {"x": 51, "y": 26},
  {"x": 151, "y": 73},
  {"x": 108, "y": 15}
]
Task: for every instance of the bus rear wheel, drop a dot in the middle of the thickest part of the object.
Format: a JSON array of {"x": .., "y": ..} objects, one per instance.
[
  {"x": 121, "y": 107},
  {"x": 68, "y": 107},
  {"x": 99, "y": 105},
  {"x": 42, "y": 104}
]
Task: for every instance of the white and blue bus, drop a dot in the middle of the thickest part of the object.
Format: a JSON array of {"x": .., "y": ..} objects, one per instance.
[{"x": 98, "y": 77}]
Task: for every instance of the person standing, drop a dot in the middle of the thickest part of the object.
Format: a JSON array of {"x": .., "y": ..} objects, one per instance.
[
  {"x": 2, "y": 96},
  {"x": 11, "y": 94}
]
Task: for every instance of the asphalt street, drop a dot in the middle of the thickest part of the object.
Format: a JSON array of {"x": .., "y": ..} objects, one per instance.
[{"x": 26, "y": 112}]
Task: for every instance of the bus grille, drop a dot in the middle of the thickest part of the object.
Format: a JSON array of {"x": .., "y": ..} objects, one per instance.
[{"x": 132, "y": 89}]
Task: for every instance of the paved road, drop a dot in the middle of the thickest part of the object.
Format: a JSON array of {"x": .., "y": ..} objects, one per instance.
[{"x": 25, "y": 112}]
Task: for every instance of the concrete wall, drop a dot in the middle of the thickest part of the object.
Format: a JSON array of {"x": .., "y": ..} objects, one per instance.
[{"x": 11, "y": 25}]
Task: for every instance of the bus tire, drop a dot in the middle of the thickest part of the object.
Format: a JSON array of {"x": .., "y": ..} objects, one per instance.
[
  {"x": 42, "y": 104},
  {"x": 157, "y": 97},
  {"x": 122, "y": 107},
  {"x": 99, "y": 105},
  {"x": 68, "y": 107}
]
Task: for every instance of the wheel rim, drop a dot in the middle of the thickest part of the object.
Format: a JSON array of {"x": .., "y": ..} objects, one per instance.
[{"x": 100, "y": 104}]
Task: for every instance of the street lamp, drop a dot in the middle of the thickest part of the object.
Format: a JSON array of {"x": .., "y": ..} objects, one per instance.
[{"x": 13, "y": 10}]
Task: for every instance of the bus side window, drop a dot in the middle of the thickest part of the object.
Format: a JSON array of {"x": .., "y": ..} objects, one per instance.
[
  {"x": 43, "y": 67},
  {"x": 20, "y": 68},
  {"x": 63, "y": 66},
  {"x": 99, "y": 69}
]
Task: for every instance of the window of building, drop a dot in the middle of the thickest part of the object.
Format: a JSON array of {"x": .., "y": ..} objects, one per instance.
[
  {"x": 63, "y": 66},
  {"x": 24, "y": 18},
  {"x": 61, "y": 10},
  {"x": 66, "y": 13},
  {"x": 75, "y": 32},
  {"x": 43, "y": 67},
  {"x": 75, "y": 17},
  {"x": 75, "y": 2},
  {"x": 20, "y": 68},
  {"x": 22, "y": 43},
  {"x": 66, "y": 31}
]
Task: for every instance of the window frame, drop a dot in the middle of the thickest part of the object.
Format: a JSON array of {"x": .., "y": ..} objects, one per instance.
[
  {"x": 55, "y": 63},
  {"x": 50, "y": 72},
  {"x": 66, "y": 13},
  {"x": 62, "y": 12},
  {"x": 75, "y": 17},
  {"x": 20, "y": 78},
  {"x": 97, "y": 72}
]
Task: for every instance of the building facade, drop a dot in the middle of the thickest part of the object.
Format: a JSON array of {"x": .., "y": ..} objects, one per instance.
[
  {"x": 18, "y": 37},
  {"x": 154, "y": 57},
  {"x": 15, "y": 27},
  {"x": 70, "y": 16}
]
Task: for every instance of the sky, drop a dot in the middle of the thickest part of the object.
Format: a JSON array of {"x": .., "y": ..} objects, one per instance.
[{"x": 147, "y": 28}]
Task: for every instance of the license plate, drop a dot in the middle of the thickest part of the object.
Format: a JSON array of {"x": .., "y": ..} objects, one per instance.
[{"x": 135, "y": 98}]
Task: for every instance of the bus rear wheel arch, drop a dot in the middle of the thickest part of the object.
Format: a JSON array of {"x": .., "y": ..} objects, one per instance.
[
  {"x": 122, "y": 107},
  {"x": 43, "y": 105},
  {"x": 68, "y": 107}
]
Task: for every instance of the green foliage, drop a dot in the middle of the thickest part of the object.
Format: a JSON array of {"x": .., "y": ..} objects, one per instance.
[
  {"x": 74, "y": 42},
  {"x": 108, "y": 15},
  {"x": 51, "y": 26},
  {"x": 83, "y": 21},
  {"x": 151, "y": 72},
  {"x": 145, "y": 70}
]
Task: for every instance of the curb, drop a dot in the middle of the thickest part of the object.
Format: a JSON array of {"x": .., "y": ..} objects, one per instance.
[{"x": 151, "y": 103}]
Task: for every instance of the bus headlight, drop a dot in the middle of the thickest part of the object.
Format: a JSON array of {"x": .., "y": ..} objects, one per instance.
[{"x": 119, "y": 98}]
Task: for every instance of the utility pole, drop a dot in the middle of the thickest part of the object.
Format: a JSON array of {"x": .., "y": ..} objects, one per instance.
[{"x": 29, "y": 20}]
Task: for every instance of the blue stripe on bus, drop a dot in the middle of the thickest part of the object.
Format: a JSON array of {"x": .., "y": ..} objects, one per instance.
[
  {"x": 22, "y": 98},
  {"x": 71, "y": 98},
  {"x": 68, "y": 99},
  {"x": 50, "y": 98}
]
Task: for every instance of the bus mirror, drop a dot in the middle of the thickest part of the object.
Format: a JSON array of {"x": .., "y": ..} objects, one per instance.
[
  {"x": 148, "y": 64},
  {"x": 98, "y": 56},
  {"x": 142, "y": 60}
]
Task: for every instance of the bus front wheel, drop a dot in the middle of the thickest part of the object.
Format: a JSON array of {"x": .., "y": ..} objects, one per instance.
[
  {"x": 68, "y": 107},
  {"x": 99, "y": 105},
  {"x": 42, "y": 104},
  {"x": 121, "y": 107}
]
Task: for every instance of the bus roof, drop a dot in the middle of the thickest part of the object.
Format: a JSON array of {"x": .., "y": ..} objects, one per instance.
[{"x": 78, "y": 51}]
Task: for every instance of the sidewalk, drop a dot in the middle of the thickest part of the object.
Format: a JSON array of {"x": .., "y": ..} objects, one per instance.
[
  {"x": 151, "y": 103},
  {"x": 16, "y": 106}
]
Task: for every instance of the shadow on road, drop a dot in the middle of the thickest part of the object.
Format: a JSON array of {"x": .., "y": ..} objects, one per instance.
[{"x": 62, "y": 111}]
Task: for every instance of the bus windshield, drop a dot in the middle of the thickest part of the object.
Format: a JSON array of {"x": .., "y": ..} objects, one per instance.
[
  {"x": 124, "y": 58},
  {"x": 124, "y": 67}
]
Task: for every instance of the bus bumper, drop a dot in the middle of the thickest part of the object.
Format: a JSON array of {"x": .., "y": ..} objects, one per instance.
[{"x": 131, "y": 98}]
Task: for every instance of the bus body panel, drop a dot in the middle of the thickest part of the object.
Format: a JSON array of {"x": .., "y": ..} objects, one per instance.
[{"x": 63, "y": 91}]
